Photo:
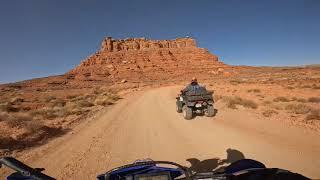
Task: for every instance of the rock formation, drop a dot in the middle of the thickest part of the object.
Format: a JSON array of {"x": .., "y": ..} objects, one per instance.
[{"x": 141, "y": 58}]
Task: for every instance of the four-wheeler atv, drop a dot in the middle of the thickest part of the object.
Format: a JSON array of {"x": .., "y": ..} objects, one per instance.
[{"x": 198, "y": 101}]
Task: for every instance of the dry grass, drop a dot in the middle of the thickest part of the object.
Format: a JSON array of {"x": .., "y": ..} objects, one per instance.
[
  {"x": 98, "y": 91},
  {"x": 58, "y": 103},
  {"x": 4, "y": 116},
  {"x": 49, "y": 99},
  {"x": 8, "y": 107},
  {"x": 298, "y": 108},
  {"x": 232, "y": 102},
  {"x": 45, "y": 113},
  {"x": 266, "y": 102},
  {"x": 254, "y": 90},
  {"x": 103, "y": 101},
  {"x": 85, "y": 103},
  {"x": 236, "y": 81},
  {"x": 314, "y": 100},
  {"x": 302, "y": 100},
  {"x": 72, "y": 96},
  {"x": 313, "y": 86},
  {"x": 281, "y": 99},
  {"x": 17, "y": 120},
  {"x": 269, "y": 112},
  {"x": 16, "y": 100},
  {"x": 306, "y": 86},
  {"x": 30, "y": 118},
  {"x": 33, "y": 126},
  {"x": 314, "y": 115},
  {"x": 111, "y": 96}
]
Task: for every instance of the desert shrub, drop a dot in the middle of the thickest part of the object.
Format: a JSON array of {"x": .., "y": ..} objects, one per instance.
[
  {"x": 41, "y": 90},
  {"x": 266, "y": 102},
  {"x": 85, "y": 103},
  {"x": 281, "y": 99},
  {"x": 58, "y": 103},
  {"x": 97, "y": 91},
  {"x": 60, "y": 112},
  {"x": 4, "y": 116},
  {"x": 17, "y": 100},
  {"x": 233, "y": 101},
  {"x": 269, "y": 112},
  {"x": 18, "y": 120},
  {"x": 8, "y": 107},
  {"x": 49, "y": 113},
  {"x": 236, "y": 82},
  {"x": 302, "y": 100},
  {"x": 306, "y": 86},
  {"x": 254, "y": 90},
  {"x": 314, "y": 115},
  {"x": 33, "y": 126},
  {"x": 103, "y": 101},
  {"x": 71, "y": 96},
  {"x": 112, "y": 96},
  {"x": 315, "y": 87},
  {"x": 49, "y": 98},
  {"x": 46, "y": 113},
  {"x": 90, "y": 97},
  {"x": 277, "y": 106},
  {"x": 260, "y": 95},
  {"x": 298, "y": 108},
  {"x": 78, "y": 98},
  {"x": 3, "y": 107},
  {"x": 26, "y": 108},
  {"x": 314, "y": 100}
]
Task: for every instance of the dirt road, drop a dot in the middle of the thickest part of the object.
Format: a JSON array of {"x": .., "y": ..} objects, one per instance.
[{"x": 145, "y": 125}]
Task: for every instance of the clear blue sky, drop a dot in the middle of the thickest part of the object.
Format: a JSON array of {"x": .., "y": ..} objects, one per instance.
[{"x": 45, "y": 37}]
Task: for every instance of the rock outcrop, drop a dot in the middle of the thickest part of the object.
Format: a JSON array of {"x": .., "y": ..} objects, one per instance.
[{"x": 141, "y": 58}]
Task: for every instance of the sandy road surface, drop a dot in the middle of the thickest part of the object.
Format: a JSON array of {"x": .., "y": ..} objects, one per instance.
[{"x": 145, "y": 124}]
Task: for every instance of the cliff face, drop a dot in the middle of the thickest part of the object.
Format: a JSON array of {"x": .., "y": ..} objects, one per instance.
[
  {"x": 136, "y": 58},
  {"x": 110, "y": 45}
]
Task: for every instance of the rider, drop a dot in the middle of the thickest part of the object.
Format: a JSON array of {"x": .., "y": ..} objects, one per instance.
[{"x": 193, "y": 86}]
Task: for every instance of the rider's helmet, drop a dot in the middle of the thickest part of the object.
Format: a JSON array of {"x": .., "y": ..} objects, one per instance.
[{"x": 194, "y": 80}]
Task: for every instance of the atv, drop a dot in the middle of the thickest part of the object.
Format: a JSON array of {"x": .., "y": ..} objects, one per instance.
[
  {"x": 199, "y": 101},
  {"x": 244, "y": 169}
]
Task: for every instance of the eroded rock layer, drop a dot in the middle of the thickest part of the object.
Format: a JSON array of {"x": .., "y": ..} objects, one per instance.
[{"x": 140, "y": 58}]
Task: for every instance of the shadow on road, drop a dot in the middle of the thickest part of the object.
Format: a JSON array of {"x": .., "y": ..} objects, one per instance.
[
  {"x": 215, "y": 164},
  {"x": 42, "y": 136}
]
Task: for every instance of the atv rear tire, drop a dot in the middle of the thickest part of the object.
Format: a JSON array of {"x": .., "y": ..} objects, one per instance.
[
  {"x": 187, "y": 113},
  {"x": 210, "y": 111},
  {"x": 178, "y": 108}
]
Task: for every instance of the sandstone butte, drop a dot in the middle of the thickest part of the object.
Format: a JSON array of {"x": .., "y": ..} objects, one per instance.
[{"x": 144, "y": 59}]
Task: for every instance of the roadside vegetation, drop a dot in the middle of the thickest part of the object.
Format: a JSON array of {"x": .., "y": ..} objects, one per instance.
[
  {"x": 233, "y": 102},
  {"x": 27, "y": 120}
]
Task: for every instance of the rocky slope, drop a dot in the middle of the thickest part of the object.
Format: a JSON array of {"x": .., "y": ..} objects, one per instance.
[{"x": 140, "y": 58}]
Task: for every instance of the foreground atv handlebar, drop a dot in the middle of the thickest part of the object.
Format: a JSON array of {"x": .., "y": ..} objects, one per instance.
[{"x": 23, "y": 169}]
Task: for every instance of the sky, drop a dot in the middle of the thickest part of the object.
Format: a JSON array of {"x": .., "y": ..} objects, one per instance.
[{"x": 49, "y": 37}]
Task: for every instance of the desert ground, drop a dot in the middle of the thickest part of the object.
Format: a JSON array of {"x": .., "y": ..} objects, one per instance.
[{"x": 268, "y": 114}]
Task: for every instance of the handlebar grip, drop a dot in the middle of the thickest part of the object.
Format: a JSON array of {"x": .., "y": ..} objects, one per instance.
[{"x": 23, "y": 168}]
